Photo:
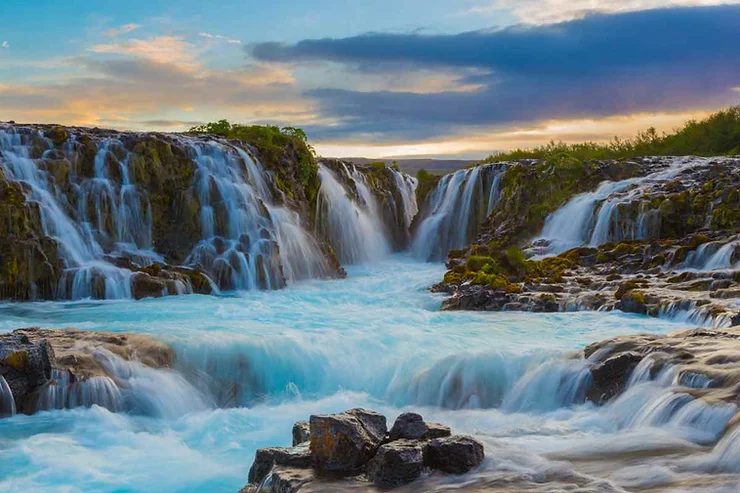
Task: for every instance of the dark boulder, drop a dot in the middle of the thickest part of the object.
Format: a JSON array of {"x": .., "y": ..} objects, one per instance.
[
  {"x": 454, "y": 455},
  {"x": 411, "y": 426},
  {"x": 396, "y": 463},
  {"x": 345, "y": 442},
  {"x": 301, "y": 432},
  {"x": 267, "y": 458},
  {"x": 145, "y": 286},
  {"x": 26, "y": 367},
  {"x": 610, "y": 376}
]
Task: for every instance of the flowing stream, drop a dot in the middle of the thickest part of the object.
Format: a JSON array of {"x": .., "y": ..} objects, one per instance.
[{"x": 251, "y": 363}]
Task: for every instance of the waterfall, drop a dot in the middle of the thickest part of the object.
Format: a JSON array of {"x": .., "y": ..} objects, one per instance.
[
  {"x": 351, "y": 224},
  {"x": 592, "y": 218},
  {"x": 7, "y": 402},
  {"x": 712, "y": 256},
  {"x": 454, "y": 211},
  {"x": 406, "y": 186},
  {"x": 101, "y": 217},
  {"x": 247, "y": 241}
]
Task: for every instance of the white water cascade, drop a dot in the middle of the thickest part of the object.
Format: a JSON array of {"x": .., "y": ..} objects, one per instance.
[
  {"x": 248, "y": 242},
  {"x": 7, "y": 402},
  {"x": 351, "y": 224},
  {"x": 591, "y": 218},
  {"x": 406, "y": 186},
  {"x": 101, "y": 218},
  {"x": 712, "y": 256},
  {"x": 454, "y": 211}
]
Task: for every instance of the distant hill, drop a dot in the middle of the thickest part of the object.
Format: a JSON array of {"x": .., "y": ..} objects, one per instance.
[{"x": 411, "y": 166}]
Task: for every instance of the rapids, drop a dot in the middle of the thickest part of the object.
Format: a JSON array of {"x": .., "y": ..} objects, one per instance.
[{"x": 251, "y": 363}]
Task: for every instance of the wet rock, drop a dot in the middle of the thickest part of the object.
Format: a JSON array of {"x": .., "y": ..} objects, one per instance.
[
  {"x": 411, "y": 426},
  {"x": 720, "y": 284},
  {"x": 396, "y": 463},
  {"x": 345, "y": 442},
  {"x": 457, "y": 454},
  {"x": 267, "y": 458},
  {"x": 610, "y": 376},
  {"x": 26, "y": 366},
  {"x": 145, "y": 286},
  {"x": 301, "y": 432}
]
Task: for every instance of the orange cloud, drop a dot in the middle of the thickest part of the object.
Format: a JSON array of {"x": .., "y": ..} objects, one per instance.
[{"x": 161, "y": 49}]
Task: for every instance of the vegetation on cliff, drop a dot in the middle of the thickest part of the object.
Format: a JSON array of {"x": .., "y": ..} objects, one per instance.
[{"x": 717, "y": 135}]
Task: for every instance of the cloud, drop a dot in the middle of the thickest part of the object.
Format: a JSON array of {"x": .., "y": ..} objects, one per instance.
[
  {"x": 4, "y": 44},
  {"x": 548, "y": 11},
  {"x": 219, "y": 37},
  {"x": 124, "y": 29},
  {"x": 162, "y": 49},
  {"x": 601, "y": 65}
]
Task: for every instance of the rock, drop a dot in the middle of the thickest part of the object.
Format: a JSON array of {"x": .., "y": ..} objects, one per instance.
[
  {"x": 720, "y": 284},
  {"x": 301, "y": 432},
  {"x": 283, "y": 480},
  {"x": 145, "y": 286},
  {"x": 267, "y": 458},
  {"x": 345, "y": 442},
  {"x": 411, "y": 426},
  {"x": 396, "y": 463},
  {"x": 610, "y": 376},
  {"x": 457, "y": 454},
  {"x": 26, "y": 366}
]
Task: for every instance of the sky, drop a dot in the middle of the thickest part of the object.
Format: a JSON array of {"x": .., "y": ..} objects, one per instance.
[{"x": 400, "y": 78}]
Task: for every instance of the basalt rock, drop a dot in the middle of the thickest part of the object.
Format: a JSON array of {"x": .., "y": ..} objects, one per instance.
[
  {"x": 352, "y": 451},
  {"x": 455, "y": 455},
  {"x": 347, "y": 441}
]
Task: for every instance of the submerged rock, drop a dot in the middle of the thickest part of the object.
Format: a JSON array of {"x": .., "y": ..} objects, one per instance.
[
  {"x": 396, "y": 463},
  {"x": 455, "y": 455}
]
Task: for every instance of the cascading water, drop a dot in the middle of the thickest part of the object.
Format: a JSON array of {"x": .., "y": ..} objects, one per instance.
[
  {"x": 592, "y": 218},
  {"x": 712, "y": 256},
  {"x": 247, "y": 241},
  {"x": 454, "y": 211},
  {"x": 101, "y": 218},
  {"x": 351, "y": 224},
  {"x": 7, "y": 402},
  {"x": 406, "y": 186}
]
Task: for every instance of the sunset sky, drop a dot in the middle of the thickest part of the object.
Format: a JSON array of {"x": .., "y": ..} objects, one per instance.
[{"x": 374, "y": 78}]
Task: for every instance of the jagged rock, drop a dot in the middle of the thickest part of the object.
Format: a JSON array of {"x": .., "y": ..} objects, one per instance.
[
  {"x": 396, "y": 463},
  {"x": 267, "y": 458},
  {"x": 346, "y": 441},
  {"x": 457, "y": 454},
  {"x": 411, "y": 426},
  {"x": 301, "y": 432}
]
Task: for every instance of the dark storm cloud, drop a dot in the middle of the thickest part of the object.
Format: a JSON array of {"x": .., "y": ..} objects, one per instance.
[{"x": 655, "y": 60}]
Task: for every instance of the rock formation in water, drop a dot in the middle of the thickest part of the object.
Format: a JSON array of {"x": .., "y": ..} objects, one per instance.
[
  {"x": 665, "y": 242},
  {"x": 103, "y": 214},
  {"x": 58, "y": 369},
  {"x": 353, "y": 450}
]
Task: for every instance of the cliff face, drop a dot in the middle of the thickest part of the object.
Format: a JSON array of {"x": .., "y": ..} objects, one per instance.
[{"x": 103, "y": 214}]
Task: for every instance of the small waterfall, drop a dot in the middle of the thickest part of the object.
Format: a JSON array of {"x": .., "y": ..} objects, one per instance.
[
  {"x": 351, "y": 224},
  {"x": 593, "y": 218},
  {"x": 455, "y": 210},
  {"x": 7, "y": 402},
  {"x": 406, "y": 186},
  {"x": 712, "y": 256}
]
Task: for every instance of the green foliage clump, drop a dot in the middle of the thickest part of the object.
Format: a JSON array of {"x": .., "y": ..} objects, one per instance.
[{"x": 427, "y": 182}]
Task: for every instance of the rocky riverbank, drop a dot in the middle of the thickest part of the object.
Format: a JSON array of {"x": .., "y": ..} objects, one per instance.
[
  {"x": 354, "y": 450},
  {"x": 665, "y": 245}
]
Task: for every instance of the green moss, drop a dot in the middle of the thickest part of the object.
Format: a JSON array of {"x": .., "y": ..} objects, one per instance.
[{"x": 477, "y": 262}]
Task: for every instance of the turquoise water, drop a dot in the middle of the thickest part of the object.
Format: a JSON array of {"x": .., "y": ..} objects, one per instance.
[{"x": 251, "y": 364}]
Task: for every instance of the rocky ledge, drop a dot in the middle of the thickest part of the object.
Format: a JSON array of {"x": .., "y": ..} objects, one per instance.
[
  {"x": 51, "y": 369},
  {"x": 656, "y": 278},
  {"x": 704, "y": 362},
  {"x": 355, "y": 450}
]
